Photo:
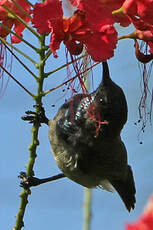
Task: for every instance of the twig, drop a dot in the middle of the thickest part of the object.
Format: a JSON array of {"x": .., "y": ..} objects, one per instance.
[
  {"x": 35, "y": 142},
  {"x": 19, "y": 51},
  {"x": 11, "y": 76},
  {"x": 87, "y": 209}
]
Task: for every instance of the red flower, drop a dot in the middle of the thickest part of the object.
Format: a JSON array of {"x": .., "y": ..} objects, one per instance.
[
  {"x": 111, "y": 5},
  {"x": 123, "y": 19},
  {"x": 9, "y": 20},
  {"x": 91, "y": 25},
  {"x": 140, "y": 8},
  {"x": 75, "y": 2},
  {"x": 146, "y": 220},
  {"x": 144, "y": 223},
  {"x": 139, "y": 12},
  {"x": 145, "y": 35},
  {"x": 151, "y": 47}
]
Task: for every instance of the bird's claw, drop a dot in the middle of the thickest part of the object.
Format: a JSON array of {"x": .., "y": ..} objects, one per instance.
[
  {"x": 36, "y": 117},
  {"x": 28, "y": 181}
]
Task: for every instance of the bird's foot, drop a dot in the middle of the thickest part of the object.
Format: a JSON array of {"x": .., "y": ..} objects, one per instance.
[
  {"x": 28, "y": 181},
  {"x": 36, "y": 117}
]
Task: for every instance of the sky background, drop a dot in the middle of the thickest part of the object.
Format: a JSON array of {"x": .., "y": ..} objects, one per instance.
[{"x": 58, "y": 205}]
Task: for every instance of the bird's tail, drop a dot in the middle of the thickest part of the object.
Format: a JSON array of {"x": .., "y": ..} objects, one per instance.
[{"x": 126, "y": 189}]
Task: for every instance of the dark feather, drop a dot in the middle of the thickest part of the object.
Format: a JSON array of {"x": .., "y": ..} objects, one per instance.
[{"x": 89, "y": 157}]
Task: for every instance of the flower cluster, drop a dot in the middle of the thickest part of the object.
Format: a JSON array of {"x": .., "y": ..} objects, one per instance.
[
  {"x": 91, "y": 25},
  {"x": 140, "y": 15},
  {"x": 9, "y": 21},
  {"x": 146, "y": 220}
]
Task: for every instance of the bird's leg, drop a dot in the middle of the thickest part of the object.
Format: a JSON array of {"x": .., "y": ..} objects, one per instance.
[
  {"x": 29, "y": 181},
  {"x": 36, "y": 117}
]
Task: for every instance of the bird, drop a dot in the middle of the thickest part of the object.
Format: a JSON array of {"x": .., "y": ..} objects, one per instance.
[{"x": 85, "y": 138}]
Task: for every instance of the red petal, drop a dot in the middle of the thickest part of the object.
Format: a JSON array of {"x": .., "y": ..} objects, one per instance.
[
  {"x": 113, "y": 5},
  {"x": 47, "y": 13},
  {"x": 9, "y": 24},
  {"x": 24, "y": 5},
  {"x": 140, "y": 9},
  {"x": 101, "y": 45},
  {"x": 75, "y": 2},
  {"x": 151, "y": 47},
  {"x": 97, "y": 14},
  {"x": 145, "y": 35},
  {"x": 145, "y": 10},
  {"x": 130, "y": 7},
  {"x": 10, "y": 4},
  {"x": 73, "y": 47},
  {"x": 123, "y": 19},
  {"x": 18, "y": 29},
  {"x": 56, "y": 39}
]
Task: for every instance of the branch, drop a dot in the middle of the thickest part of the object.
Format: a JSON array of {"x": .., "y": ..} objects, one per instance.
[
  {"x": 35, "y": 142},
  {"x": 71, "y": 79},
  {"x": 19, "y": 51},
  {"x": 11, "y": 76},
  {"x": 87, "y": 209}
]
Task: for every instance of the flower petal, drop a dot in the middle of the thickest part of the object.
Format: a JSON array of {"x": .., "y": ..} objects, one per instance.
[
  {"x": 101, "y": 45},
  {"x": 75, "y": 2},
  {"x": 97, "y": 14},
  {"x": 47, "y": 13},
  {"x": 9, "y": 24},
  {"x": 56, "y": 39}
]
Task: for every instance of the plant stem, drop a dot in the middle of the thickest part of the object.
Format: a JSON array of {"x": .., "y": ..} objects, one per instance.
[
  {"x": 19, "y": 51},
  {"x": 130, "y": 36},
  {"x": 18, "y": 59},
  {"x": 87, "y": 209},
  {"x": 49, "y": 52},
  {"x": 21, "y": 38},
  {"x": 65, "y": 65},
  {"x": 11, "y": 76},
  {"x": 29, "y": 3},
  {"x": 71, "y": 79},
  {"x": 35, "y": 142},
  {"x": 21, "y": 9},
  {"x": 87, "y": 192},
  {"x": 22, "y": 21}
]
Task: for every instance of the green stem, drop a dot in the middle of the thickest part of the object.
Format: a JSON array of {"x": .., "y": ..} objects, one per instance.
[
  {"x": 11, "y": 76},
  {"x": 19, "y": 51},
  {"x": 130, "y": 36},
  {"x": 65, "y": 65},
  {"x": 21, "y": 38},
  {"x": 23, "y": 203},
  {"x": 22, "y": 21},
  {"x": 87, "y": 209},
  {"x": 49, "y": 52},
  {"x": 35, "y": 142},
  {"x": 21, "y": 8},
  {"x": 87, "y": 192},
  {"x": 18, "y": 59},
  {"x": 29, "y": 3},
  {"x": 118, "y": 11},
  {"x": 60, "y": 85}
]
